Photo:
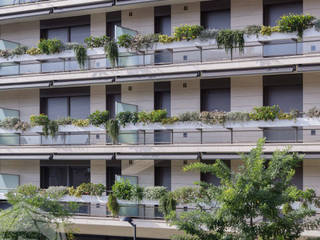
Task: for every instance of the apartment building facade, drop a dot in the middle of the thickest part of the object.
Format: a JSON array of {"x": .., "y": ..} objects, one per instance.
[{"x": 180, "y": 77}]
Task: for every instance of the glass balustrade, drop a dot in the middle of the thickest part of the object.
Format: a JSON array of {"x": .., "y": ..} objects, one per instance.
[{"x": 8, "y": 182}]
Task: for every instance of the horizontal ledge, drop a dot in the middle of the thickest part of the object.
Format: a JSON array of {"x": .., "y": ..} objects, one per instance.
[
  {"x": 82, "y": 7},
  {"x": 157, "y": 157},
  {"x": 158, "y": 77},
  {"x": 24, "y": 157},
  {"x": 25, "y": 85},
  {"x": 83, "y": 157}
]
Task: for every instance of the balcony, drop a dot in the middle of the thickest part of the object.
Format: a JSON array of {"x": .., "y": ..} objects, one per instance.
[{"x": 176, "y": 54}]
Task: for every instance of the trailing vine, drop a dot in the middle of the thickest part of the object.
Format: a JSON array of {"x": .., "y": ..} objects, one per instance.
[
  {"x": 230, "y": 39},
  {"x": 113, "y": 129},
  {"x": 112, "y": 52},
  {"x": 81, "y": 55}
]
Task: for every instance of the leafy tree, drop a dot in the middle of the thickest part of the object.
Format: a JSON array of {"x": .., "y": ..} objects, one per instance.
[
  {"x": 256, "y": 202},
  {"x": 34, "y": 215}
]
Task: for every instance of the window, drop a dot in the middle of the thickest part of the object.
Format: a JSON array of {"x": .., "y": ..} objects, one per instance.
[
  {"x": 113, "y": 19},
  {"x": 162, "y": 20},
  {"x": 73, "y": 29},
  {"x": 113, "y": 169},
  {"x": 209, "y": 177},
  {"x": 274, "y": 9},
  {"x": 285, "y": 91},
  {"x": 162, "y": 173},
  {"x": 65, "y": 102},
  {"x": 215, "y": 14},
  {"x": 64, "y": 173},
  {"x": 113, "y": 96},
  {"x": 215, "y": 95}
]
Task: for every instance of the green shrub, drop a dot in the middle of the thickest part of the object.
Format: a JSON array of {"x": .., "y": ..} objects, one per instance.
[
  {"x": 154, "y": 193},
  {"x": 113, "y": 205},
  {"x": 96, "y": 42},
  {"x": 152, "y": 117},
  {"x": 14, "y": 123},
  {"x": 113, "y": 129},
  {"x": 81, "y": 122},
  {"x": 186, "y": 195},
  {"x": 34, "y": 51},
  {"x": 208, "y": 34},
  {"x": 137, "y": 42},
  {"x": 166, "y": 39},
  {"x": 99, "y": 118},
  {"x": 230, "y": 39},
  {"x": 237, "y": 116},
  {"x": 57, "y": 192},
  {"x": 253, "y": 30},
  {"x": 189, "y": 116},
  {"x": 87, "y": 189},
  {"x": 265, "y": 113},
  {"x": 127, "y": 117},
  {"x": 289, "y": 116},
  {"x": 169, "y": 120},
  {"x": 5, "y": 54},
  {"x": 216, "y": 117},
  {"x": 313, "y": 112},
  {"x": 296, "y": 23},
  {"x": 50, "y": 46},
  {"x": 167, "y": 203},
  {"x": 20, "y": 50},
  {"x": 39, "y": 120},
  {"x": 187, "y": 32},
  {"x": 125, "y": 41},
  {"x": 123, "y": 190},
  {"x": 267, "y": 30}
]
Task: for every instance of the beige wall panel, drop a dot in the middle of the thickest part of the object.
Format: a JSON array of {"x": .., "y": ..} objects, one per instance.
[
  {"x": 141, "y": 94},
  {"x": 97, "y": 98},
  {"x": 144, "y": 169},
  {"x": 26, "y": 33},
  {"x": 27, "y": 101},
  {"x": 311, "y": 7},
  {"x": 180, "y": 16},
  {"x": 98, "y": 171},
  {"x": 28, "y": 170},
  {"x": 311, "y": 87},
  {"x": 246, "y": 12},
  {"x": 142, "y": 19},
  {"x": 98, "y": 24},
  {"x": 311, "y": 174},
  {"x": 179, "y": 178}
]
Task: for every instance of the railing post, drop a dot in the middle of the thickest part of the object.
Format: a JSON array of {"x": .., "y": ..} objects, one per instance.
[
  {"x": 201, "y": 135},
  {"x": 296, "y": 134},
  {"x": 231, "y": 135},
  {"x": 172, "y": 136},
  {"x": 144, "y": 137}
]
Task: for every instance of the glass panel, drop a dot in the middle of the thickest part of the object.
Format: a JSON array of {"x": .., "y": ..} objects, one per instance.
[
  {"x": 127, "y": 60},
  {"x": 132, "y": 179},
  {"x": 78, "y": 34},
  {"x": 163, "y": 56},
  {"x": 53, "y": 66},
  {"x": 282, "y": 49},
  {"x": 8, "y": 113},
  {"x": 121, "y": 30},
  {"x": 8, "y": 182},
  {"x": 6, "y": 2},
  {"x": 79, "y": 107},
  {"x": 9, "y": 69},
  {"x": 60, "y": 34},
  {"x": 57, "y": 108},
  {"x": 130, "y": 210},
  {"x": 283, "y": 135},
  {"x": 30, "y": 140},
  {"x": 57, "y": 140},
  {"x": 7, "y": 45},
  {"x": 9, "y": 139},
  {"x": 30, "y": 68},
  {"x": 77, "y": 139}
]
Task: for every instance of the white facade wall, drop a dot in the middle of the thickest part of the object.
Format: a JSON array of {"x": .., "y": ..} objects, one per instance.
[
  {"x": 98, "y": 171},
  {"x": 246, "y": 12},
  {"x": 98, "y": 24},
  {"x": 188, "y": 13},
  {"x": 144, "y": 169},
  {"x": 26, "y": 33},
  {"x": 311, "y": 174},
  {"x": 311, "y": 86},
  {"x": 27, "y": 101},
  {"x": 141, "y": 94},
  {"x": 141, "y": 19},
  {"x": 28, "y": 170},
  {"x": 311, "y": 7},
  {"x": 179, "y": 178},
  {"x": 97, "y": 98}
]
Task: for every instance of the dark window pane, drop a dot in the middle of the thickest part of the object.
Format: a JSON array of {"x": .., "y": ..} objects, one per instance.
[
  {"x": 113, "y": 169},
  {"x": 79, "y": 107},
  {"x": 79, "y": 175},
  {"x": 209, "y": 177},
  {"x": 57, "y": 108},
  {"x": 61, "y": 34},
  {"x": 162, "y": 173},
  {"x": 78, "y": 34},
  {"x": 217, "y": 19}
]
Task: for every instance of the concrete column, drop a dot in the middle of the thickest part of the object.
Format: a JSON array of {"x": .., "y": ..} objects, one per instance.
[
  {"x": 98, "y": 24},
  {"x": 97, "y": 98},
  {"x": 185, "y": 96},
  {"x": 311, "y": 7},
  {"x": 311, "y": 86},
  {"x": 141, "y": 94},
  {"x": 311, "y": 175},
  {"x": 246, "y": 93},
  {"x": 98, "y": 171},
  {"x": 188, "y": 13},
  {"x": 179, "y": 178},
  {"x": 141, "y": 19},
  {"x": 28, "y": 170},
  {"x": 246, "y": 12},
  {"x": 143, "y": 169}
]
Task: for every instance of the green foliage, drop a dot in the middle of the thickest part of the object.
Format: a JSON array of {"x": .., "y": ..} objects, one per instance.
[
  {"x": 39, "y": 120},
  {"x": 166, "y": 39},
  {"x": 296, "y": 23},
  {"x": 5, "y": 54},
  {"x": 187, "y": 32},
  {"x": 186, "y": 195},
  {"x": 113, "y": 130},
  {"x": 265, "y": 113},
  {"x": 237, "y": 116},
  {"x": 99, "y": 118},
  {"x": 216, "y": 117},
  {"x": 125, "y": 41},
  {"x": 189, "y": 116},
  {"x": 253, "y": 30},
  {"x": 123, "y": 190},
  {"x": 256, "y": 201},
  {"x": 167, "y": 204},
  {"x": 316, "y": 24},
  {"x": 112, "y": 52},
  {"x": 20, "y": 50},
  {"x": 81, "y": 55},
  {"x": 50, "y": 46},
  {"x": 208, "y": 34},
  {"x": 267, "y": 30},
  {"x": 152, "y": 117},
  {"x": 169, "y": 120},
  {"x": 48, "y": 127},
  {"x": 57, "y": 192},
  {"x": 14, "y": 123},
  {"x": 313, "y": 112},
  {"x": 96, "y": 42},
  {"x": 127, "y": 117},
  {"x": 154, "y": 193},
  {"x": 34, "y": 51},
  {"x": 113, "y": 205},
  {"x": 87, "y": 189},
  {"x": 81, "y": 122},
  {"x": 137, "y": 42},
  {"x": 230, "y": 39}
]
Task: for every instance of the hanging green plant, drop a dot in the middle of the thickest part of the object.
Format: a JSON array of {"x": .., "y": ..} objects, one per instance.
[
  {"x": 112, "y": 52},
  {"x": 113, "y": 205},
  {"x": 53, "y": 128},
  {"x": 81, "y": 55},
  {"x": 230, "y": 39},
  {"x": 167, "y": 203},
  {"x": 113, "y": 130}
]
